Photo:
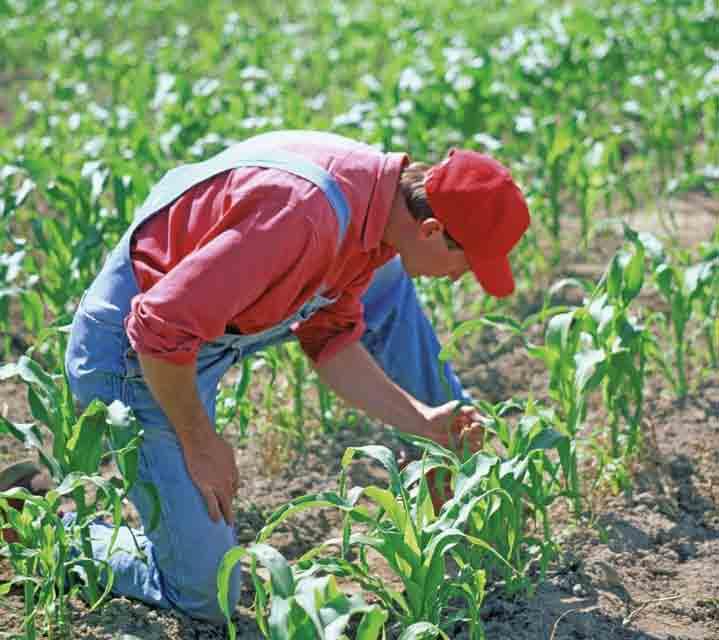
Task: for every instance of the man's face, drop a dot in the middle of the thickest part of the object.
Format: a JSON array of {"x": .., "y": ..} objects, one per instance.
[{"x": 427, "y": 253}]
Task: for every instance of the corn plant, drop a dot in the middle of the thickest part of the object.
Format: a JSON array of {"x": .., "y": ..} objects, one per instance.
[
  {"x": 234, "y": 405},
  {"x": 46, "y": 551},
  {"x": 684, "y": 289},
  {"x": 709, "y": 310},
  {"x": 79, "y": 445},
  {"x": 524, "y": 471},
  {"x": 481, "y": 526},
  {"x": 626, "y": 344},
  {"x": 297, "y": 604},
  {"x": 395, "y": 529}
]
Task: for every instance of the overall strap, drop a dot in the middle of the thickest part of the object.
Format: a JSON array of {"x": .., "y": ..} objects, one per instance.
[{"x": 176, "y": 181}]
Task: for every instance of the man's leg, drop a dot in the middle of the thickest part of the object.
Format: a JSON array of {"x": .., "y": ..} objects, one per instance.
[
  {"x": 176, "y": 566},
  {"x": 182, "y": 553},
  {"x": 401, "y": 339}
]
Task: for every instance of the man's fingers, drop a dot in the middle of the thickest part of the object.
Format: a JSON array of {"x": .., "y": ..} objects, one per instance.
[
  {"x": 212, "y": 505},
  {"x": 226, "y": 506}
]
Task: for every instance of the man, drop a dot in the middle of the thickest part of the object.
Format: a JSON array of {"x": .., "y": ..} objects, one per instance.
[{"x": 289, "y": 234}]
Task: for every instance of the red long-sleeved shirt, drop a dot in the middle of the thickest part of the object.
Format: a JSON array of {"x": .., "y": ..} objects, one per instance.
[{"x": 245, "y": 249}]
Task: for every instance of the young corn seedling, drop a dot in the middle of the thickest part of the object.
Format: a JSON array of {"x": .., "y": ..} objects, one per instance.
[
  {"x": 297, "y": 604},
  {"x": 682, "y": 289},
  {"x": 44, "y": 552},
  {"x": 626, "y": 344},
  {"x": 524, "y": 471},
  {"x": 558, "y": 353},
  {"x": 234, "y": 405},
  {"x": 709, "y": 309},
  {"x": 79, "y": 445}
]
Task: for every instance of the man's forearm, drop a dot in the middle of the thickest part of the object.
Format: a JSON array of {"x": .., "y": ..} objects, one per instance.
[
  {"x": 175, "y": 389},
  {"x": 356, "y": 378}
]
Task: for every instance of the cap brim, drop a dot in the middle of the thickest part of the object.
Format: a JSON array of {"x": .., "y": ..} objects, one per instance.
[{"x": 494, "y": 275}]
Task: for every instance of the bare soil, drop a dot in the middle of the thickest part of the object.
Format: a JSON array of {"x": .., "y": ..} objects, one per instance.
[{"x": 638, "y": 567}]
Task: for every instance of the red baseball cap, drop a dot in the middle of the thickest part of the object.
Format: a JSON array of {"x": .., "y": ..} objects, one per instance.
[{"x": 482, "y": 208}]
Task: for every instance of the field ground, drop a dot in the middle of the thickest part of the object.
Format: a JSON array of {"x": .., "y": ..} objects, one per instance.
[{"x": 641, "y": 567}]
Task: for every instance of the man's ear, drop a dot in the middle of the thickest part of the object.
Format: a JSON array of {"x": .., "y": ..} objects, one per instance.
[{"x": 430, "y": 226}]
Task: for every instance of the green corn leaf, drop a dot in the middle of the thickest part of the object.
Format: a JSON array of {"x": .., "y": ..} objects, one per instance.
[
  {"x": 614, "y": 277},
  {"x": 389, "y": 503},
  {"x": 489, "y": 548},
  {"x": 402, "y": 559},
  {"x": 564, "y": 448},
  {"x": 564, "y": 283},
  {"x": 681, "y": 311},
  {"x": 124, "y": 434},
  {"x": 633, "y": 276},
  {"x": 312, "y": 595},
  {"x": 243, "y": 383},
  {"x": 93, "y": 565},
  {"x": 548, "y": 438},
  {"x": 33, "y": 310},
  {"x": 59, "y": 241},
  {"x": 84, "y": 448},
  {"x": 557, "y": 332},
  {"x": 543, "y": 353},
  {"x": 120, "y": 196},
  {"x": 71, "y": 482},
  {"x": 324, "y": 499},
  {"x": 434, "y": 564},
  {"x": 372, "y": 624},
  {"x": 280, "y": 622},
  {"x": 450, "y": 350},
  {"x": 416, "y": 470},
  {"x": 563, "y": 140},
  {"x": 23, "y": 192},
  {"x": 382, "y": 455},
  {"x": 280, "y": 573},
  {"x": 40, "y": 411},
  {"x": 589, "y": 373},
  {"x": 44, "y": 387},
  {"x": 474, "y": 472},
  {"x": 27, "y": 433},
  {"x": 698, "y": 275},
  {"x": 664, "y": 276},
  {"x": 224, "y": 573},
  {"x": 422, "y": 631},
  {"x": 430, "y": 446},
  {"x": 516, "y": 467},
  {"x": 651, "y": 245},
  {"x": 20, "y": 493},
  {"x": 456, "y": 513}
]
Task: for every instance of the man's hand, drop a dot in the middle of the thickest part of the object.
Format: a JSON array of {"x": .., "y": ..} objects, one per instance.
[
  {"x": 458, "y": 428},
  {"x": 455, "y": 427},
  {"x": 212, "y": 467},
  {"x": 209, "y": 459}
]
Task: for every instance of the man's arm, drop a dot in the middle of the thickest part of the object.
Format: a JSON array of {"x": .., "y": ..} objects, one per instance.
[
  {"x": 353, "y": 374},
  {"x": 210, "y": 460}
]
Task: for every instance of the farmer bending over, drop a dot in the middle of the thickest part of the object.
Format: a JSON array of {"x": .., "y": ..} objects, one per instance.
[{"x": 288, "y": 234}]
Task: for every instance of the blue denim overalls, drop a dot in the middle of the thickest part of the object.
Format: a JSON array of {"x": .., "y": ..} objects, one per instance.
[{"x": 185, "y": 549}]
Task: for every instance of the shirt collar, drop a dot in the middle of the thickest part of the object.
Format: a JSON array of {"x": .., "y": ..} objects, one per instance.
[{"x": 382, "y": 198}]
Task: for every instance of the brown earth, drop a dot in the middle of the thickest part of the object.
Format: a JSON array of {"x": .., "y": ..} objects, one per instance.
[{"x": 638, "y": 567}]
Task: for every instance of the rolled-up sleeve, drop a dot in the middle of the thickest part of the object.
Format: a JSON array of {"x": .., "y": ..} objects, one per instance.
[
  {"x": 337, "y": 325},
  {"x": 264, "y": 264}
]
